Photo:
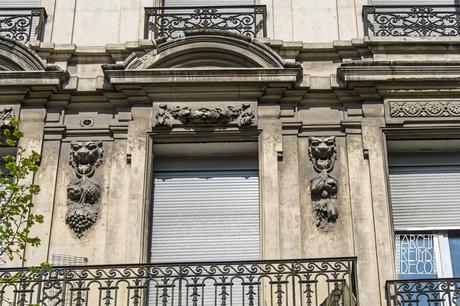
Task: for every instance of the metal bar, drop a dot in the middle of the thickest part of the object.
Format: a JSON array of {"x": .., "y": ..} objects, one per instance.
[
  {"x": 171, "y": 283},
  {"x": 20, "y": 24},
  {"x": 445, "y": 291},
  {"x": 411, "y": 20},
  {"x": 173, "y": 22}
]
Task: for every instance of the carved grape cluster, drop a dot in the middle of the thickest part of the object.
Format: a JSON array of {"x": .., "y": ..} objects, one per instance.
[{"x": 80, "y": 221}]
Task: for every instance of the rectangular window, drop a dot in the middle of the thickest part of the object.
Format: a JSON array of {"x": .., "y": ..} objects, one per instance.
[
  {"x": 425, "y": 198},
  {"x": 454, "y": 246},
  {"x": 416, "y": 256},
  {"x": 205, "y": 209}
]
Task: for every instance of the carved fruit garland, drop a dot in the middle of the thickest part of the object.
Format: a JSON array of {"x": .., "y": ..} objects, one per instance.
[
  {"x": 84, "y": 193},
  {"x": 323, "y": 154},
  {"x": 241, "y": 115}
]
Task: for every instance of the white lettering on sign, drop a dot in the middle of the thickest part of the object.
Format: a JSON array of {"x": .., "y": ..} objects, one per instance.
[{"x": 415, "y": 254}]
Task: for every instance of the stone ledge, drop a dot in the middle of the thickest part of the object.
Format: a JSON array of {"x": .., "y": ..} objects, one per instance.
[{"x": 343, "y": 50}]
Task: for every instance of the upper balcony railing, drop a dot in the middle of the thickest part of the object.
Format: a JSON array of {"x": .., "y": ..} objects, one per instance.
[
  {"x": 172, "y": 22},
  {"x": 271, "y": 283},
  {"x": 423, "y": 292},
  {"x": 23, "y": 24},
  {"x": 410, "y": 20}
]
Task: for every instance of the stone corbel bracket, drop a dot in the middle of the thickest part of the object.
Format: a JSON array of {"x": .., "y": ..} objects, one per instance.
[
  {"x": 240, "y": 115},
  {"x": 84, "y": 192},
  {"x": 323, "y": 154}
]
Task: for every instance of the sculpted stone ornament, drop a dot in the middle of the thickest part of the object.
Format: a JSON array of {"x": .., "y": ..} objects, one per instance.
[
  {"x": 84, "y": 193},
  {"x": 323, "y": 154},
  {"x": 242, "y": 114},
  {"x": 162, "y": 116},
  {"x": 425, "y": 109},
  {"x": 6, "y": 115}
]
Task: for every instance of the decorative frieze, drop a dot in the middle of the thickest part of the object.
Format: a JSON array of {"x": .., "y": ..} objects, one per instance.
[
  {"x": 323, "y": 154},
  {"x": 241, "y": 115},
  {"x": 6, "y": 115},
  {"x": 425, "y": 109},
  {"x": 84, "y": 193}
]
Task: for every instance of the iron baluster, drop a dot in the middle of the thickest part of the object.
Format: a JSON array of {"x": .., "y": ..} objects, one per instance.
[
  {"x": 18, "y": 23},
  {"x": 172, "y": 22},
  {"x": 228, "y": 283},
  {"x": 412, "y": 20}
]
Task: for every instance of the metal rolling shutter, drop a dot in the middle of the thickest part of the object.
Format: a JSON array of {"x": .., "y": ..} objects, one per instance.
[
  {"x": 19, "y": 3},
  {"x": 205, "y": 216},
  {"x": 168, "y": 3},
  {"x": 425, "y": 197}
]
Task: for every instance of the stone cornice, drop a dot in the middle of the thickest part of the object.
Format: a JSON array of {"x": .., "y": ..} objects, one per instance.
[
  {"x": 399, "y": 72},
  {"x": 203, "y": 76},
  {"x": 293, "y": 50},
  {"x": 33, "y": 78}
]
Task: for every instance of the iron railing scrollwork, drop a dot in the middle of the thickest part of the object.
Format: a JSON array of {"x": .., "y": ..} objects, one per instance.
[
  {"x": 172, "y": 22},
  {"x": 23, "y": 24},
  {"x": 410, "y": 20},
  {"x": 429, "y": 292},
  {"x": 272, "y": 283}
]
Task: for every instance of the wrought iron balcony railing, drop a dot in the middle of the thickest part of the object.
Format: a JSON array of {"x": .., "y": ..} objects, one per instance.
[
  {"x": 23, "y": 24},
  {"x": 409, "y": 20},
  {"x": 172, "y": 22},
  {"x": 423, "y": 292},
  {"x": 271, "y": 283}
]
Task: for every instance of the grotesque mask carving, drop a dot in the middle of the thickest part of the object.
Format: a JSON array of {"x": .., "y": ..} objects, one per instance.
[
  {"x": 85, "y": 157},
  {"x": 83, "y": 193},
  {"x": 323, "y": 154}
]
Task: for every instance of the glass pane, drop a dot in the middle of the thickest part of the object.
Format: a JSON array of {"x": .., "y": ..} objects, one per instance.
[
  {"x": 415, "y": 256},
  {"x": 454, "y": 246}
]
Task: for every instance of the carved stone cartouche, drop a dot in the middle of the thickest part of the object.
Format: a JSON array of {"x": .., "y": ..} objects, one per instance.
[
  {"x": 84, "y": 193},
  {"x": 204, "y": 116},
  {"x": 323, "y": 154}
]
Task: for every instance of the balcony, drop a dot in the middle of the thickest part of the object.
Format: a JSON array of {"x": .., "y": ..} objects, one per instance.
[
  {"x": 409, "y": 20},
  {"x": 23, "y": 24},
  {"x": 172, "y": 22},
  {"x": 436, "y": 292},
  {"x": 283, "y": 282}
]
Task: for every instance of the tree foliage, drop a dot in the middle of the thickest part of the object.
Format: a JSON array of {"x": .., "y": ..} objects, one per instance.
[{"x": 16, "y": 196}]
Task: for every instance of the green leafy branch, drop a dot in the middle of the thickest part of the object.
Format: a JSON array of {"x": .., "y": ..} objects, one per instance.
[{"x": 16, "y": 196}]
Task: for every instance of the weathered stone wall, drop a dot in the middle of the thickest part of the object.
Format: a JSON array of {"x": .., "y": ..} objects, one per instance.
[
  {"x": 114, "y": 22},
  {"x": 356, "y": 91}
]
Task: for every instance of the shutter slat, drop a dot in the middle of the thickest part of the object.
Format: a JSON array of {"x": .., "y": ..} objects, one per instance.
[
  {"x": 425, "y": 196},
  {"x": 206, "y": 215},
  {"x": 19, "y": 3}
]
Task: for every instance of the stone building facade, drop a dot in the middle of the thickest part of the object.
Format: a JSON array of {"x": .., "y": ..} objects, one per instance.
[{"x": 324, "y": 100}]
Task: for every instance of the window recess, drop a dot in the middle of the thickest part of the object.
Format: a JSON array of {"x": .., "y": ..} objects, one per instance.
[
  {"x": 425, "y": 201},
  {"x": 205, "y": 209}
]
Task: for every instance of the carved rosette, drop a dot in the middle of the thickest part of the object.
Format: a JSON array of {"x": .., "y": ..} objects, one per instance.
[
  {"x": 323, "y": 154},
  {"x": 84, "y": 193},
  {"x": 425, "y": 109},
  {"x": 241, "y": 115}
]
